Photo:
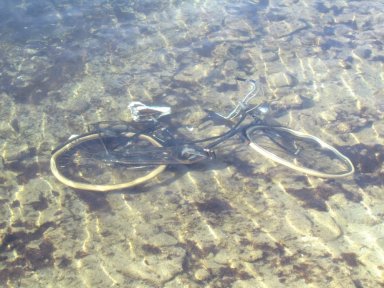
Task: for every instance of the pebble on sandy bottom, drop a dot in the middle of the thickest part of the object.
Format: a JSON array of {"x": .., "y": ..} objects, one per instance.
[
  {"x": 283, "y": 28},
  {"x": 163, "y": 239},
  {"x": 252, "y": 256},
  {"x": 223, "y": 257},
  {"x": 281, "y": 79},
  {"x": 325, "y": 226},
  {"x": 290, "y": 101},
  {"x": 250, "y": 283},
  {"x": 202, "y": 274},
  {"x": 319, "y": 225},
  {"x": 195, "y": 73},
  {"x": 158, "y": 267},
  {"x": 16, "y": 151},
  {"x": 299, "y": 222}
]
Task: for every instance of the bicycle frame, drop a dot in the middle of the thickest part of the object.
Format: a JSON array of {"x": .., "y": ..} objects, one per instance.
[
  {"x": 174, "y": 151},
  {"x": 166, "y": 149}
]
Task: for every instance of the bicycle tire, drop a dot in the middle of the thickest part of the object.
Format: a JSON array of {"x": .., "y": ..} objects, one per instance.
[
  {"x": 313, "y": 156},
  {"x": 80, "y": 163}
]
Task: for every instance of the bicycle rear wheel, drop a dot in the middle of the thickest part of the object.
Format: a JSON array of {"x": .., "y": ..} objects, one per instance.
[
  {"x": 299, "y": 151},
  {"x": 86, "y": 163}
]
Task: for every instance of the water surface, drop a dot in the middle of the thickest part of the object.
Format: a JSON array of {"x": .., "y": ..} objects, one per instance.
[{"x": 238, "y": 221}]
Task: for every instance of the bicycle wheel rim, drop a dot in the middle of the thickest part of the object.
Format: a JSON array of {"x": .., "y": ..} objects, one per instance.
[
  {"x": 69, "y": 149},
  {"x": 316, "y": 157}
]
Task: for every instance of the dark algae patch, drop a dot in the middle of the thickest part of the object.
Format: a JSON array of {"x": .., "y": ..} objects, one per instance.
[
  {"x": 64, "y": 262},
  {"x": 315, "y": 198},
  {"x": 214, "y": 205},
  {"x": 368, "y": 160},
  {"x": 41, "y": 204},
  {"x": 18, "y": 240},
  {"x": 40, "y": 257},
  {"x": 349, "y": 258},
  {"x": 95, "y": 201},
  {"x": 365, "y": 158},
  {"x": 15, "y": 204},
  {"x": 31, "y": 256},
  {"x": 221, "y": 276},
  {"x": 81, "y": 254},
  {"x": 150, "y": 249}
]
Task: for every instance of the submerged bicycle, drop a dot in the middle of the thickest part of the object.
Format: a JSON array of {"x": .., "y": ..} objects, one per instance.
[{"x": 116, "y": 155}]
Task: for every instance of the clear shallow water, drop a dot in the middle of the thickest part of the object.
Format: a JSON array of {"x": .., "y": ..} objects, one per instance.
[{"x": 238, "y": 221}]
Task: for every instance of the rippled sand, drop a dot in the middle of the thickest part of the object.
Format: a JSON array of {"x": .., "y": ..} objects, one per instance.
[{"x": 238, "y": 221}]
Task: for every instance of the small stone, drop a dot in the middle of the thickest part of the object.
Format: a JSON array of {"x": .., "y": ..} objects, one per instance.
[
  {"x": 252, "y": 256},
  {"x": 194, "y": 73},
  {"x": 249, "y": 283},
  {"x": 292, "y": 101},
  {"x": 202, "y": 274},
  {"x": 78, "y": 105},
  {"x": 270, "y": 56},
  {"x": 282, "y": 79},
  {"x": 363, "y": 53},
  {"x": 155, "y": 267},
  {"x": 276, "y": 17},
  {"x": 280, "y": 29},
  {"x": 345, "y": 64},
  {"x": 222, "y": 257},
  {"x": 17, "y": 153},
  {"x": 343, "y": 127},
  {"x": 299, "y": 222},
  {"x": 329, "y": 116},
  {"x": 324, "y": 226},
  {"x": 163, "y": 239},
  {"x": 380, "y": 242}
]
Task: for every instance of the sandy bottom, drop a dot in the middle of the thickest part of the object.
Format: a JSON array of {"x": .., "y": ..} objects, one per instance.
[{"x": 237, "y": 221}]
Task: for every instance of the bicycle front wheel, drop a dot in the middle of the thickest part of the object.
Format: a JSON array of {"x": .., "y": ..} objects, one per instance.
[
  {"x": 299, "y": 151},
  {"x": 86, "y": 162}
]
